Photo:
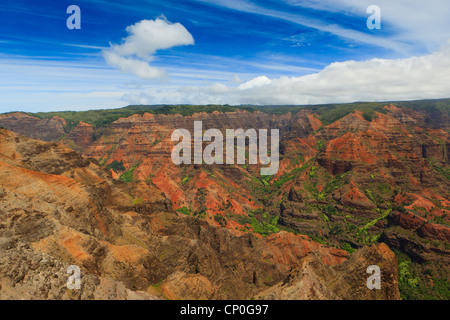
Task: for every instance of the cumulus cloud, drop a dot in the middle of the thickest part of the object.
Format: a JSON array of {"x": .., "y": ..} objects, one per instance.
[
  {"x": 255, "y": 83},
  {"x": 144, "y": 38},
  {"x": 421, "y": 77},
  {"x": 130, "y": 65}
]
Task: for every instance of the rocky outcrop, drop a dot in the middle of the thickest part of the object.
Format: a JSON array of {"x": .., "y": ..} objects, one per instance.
[
  {"x": 26, "y": 274},
  {"x": 80, "y": 137},
  {"x": 421, "y": 226},
  {"x": 351, "y": 196},
  {"x": 42, "y": 129},
  {"x": 417, "y": 250},
  {"x": 73, "y": 213},
  {"x": 180, "y": 285},
  {"x": 362, "y": 179},
  {"x": 312, "y": 280}
]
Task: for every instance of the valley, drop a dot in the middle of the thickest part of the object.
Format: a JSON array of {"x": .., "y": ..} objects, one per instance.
[{"x": 358, "y": 184}]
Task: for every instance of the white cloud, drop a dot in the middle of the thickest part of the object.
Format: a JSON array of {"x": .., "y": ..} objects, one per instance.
[
  {"x": 129, "y": 65},
  {"x": 255, "y": 83},
  {"x": 135, "y": 98},
  {"x": 79, "y": 86},
  {"x": 414, "y": 26},
  {"x": 144, "y": 39},
  {"x": 422, "y": 23},
  {"x": 420, "y": 77},
  {"x": 318, "y": 24},
  {"x": 235, "y": 79}
]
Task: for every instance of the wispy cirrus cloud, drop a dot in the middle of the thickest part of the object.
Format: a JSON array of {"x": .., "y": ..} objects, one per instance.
[
  {"x": 246, "y": 51},
  {"x": 410, "y": 24},
  {"x": 411, "y": 21},
  {"x": 315, "y": 23}
]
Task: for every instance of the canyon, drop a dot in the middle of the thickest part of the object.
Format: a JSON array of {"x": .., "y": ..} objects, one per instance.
[{"x": 368, "y": 186}]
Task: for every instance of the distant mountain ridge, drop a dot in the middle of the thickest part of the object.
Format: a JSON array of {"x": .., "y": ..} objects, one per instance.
[{"x": 330, "y": 112}]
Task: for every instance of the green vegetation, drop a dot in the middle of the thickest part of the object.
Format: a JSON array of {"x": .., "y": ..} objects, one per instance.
[
  {"x": 384, "y": 188},
  {"x": 320, "y": 145},
  {"x": 116, "y": 166},
  {"x": 185, "y": 180},
  {"x": 370, "y": 224},
  {"x": 331, "y": 113},
  {"x": 319, "y": 196},
  {"x": 265, "y": 180},
  {"x": 290, "y": 176},
  {"x": 399, "y": 209},
  {"x": 185, "y": 210},
  {"x": 328, "y": 113},
  {"x": 128, "y": 176},
  {"x": 440, "y": 219},
  {"x": 220, "y": 220},
  {"x": 137, "y": 201},
  {"x": 405, "y": 275},
  {"x": 375, "y": 197},
  {"x": 105, "y": 158},
  {"x": 101, "y": 118},
  {"x": 333, "y": 222},
  {"x": 157, "y": 140},
  {"x": 200, "y": 200},
  {"x": 330, "y": 209},
  {"x": 347, "y": 247},
  {"x": 260, "y": 222},
  {"x": 312, "y": 171},
  {"x": 419, "y": 281},
  {"x": 443, "y": 171},
  {"x": 338, "y": 182},
  {"x": 437, "y": 108}
]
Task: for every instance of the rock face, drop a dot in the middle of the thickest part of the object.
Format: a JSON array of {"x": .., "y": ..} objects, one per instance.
[
  {"x": 312, "y": 280},
  {"x": 27, "y": 274},
  {"x": 361, "y": 179},
  {"x": 180, "y": 285},
  {"x": 42, "y": 129},
  {"x": 80, "y": 137},
  {"x": 73, "y": 213}
]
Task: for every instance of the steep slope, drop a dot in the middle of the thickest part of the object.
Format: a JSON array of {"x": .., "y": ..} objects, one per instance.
[
  {"x": 383, "y": 179},
  {"x": 312, "y": 280},
  {"x": 71, "y": 212},
  {"x": 350, "y": 176},
  {"x": 42, "y": 129}
]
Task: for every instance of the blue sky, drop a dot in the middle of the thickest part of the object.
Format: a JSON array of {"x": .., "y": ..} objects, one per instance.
[{"x": 242, "y": 51}]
